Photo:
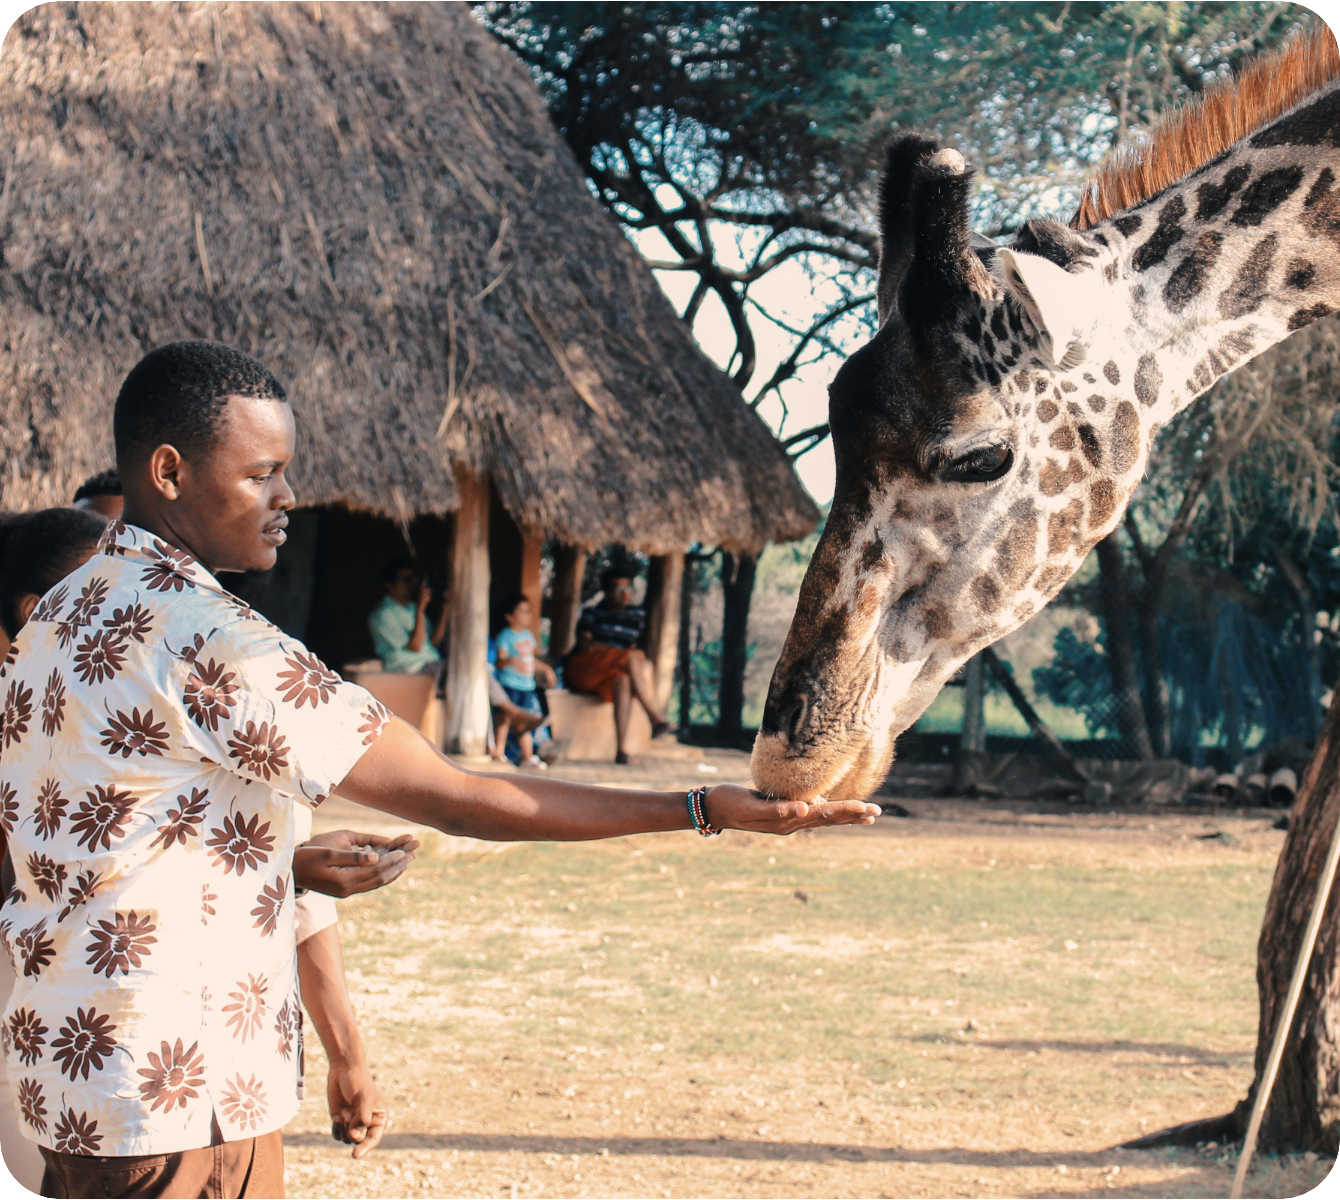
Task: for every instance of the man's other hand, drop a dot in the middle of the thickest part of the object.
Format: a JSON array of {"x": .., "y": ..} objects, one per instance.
[
  {"x": 344, "y": 863},
  {"x": 358, "y": 1114},
  {"x": 730, "y": 807}
]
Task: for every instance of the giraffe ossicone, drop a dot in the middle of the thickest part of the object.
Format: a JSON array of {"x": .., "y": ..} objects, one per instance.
[{"x": 994, "y": 428}]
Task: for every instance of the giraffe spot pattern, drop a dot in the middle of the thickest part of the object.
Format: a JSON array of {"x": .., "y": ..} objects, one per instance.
[
  {"x": 1097, "y": 403},
  {"x": 1305, "y": 316},
  {"x": 1300, "y": 275},
  {"x": 1213, "y": 198},
  {"x": 1111, "y": 373},
  {"x": 1102, "y": 502},
  {"x": 1016, "y": 554},
  {"x": 1191, "y": 275},
  {"x": 1167, "y": 233},
  {"x": 1053, "y": 479},
  {"x": 1321, "y": 209},
  {"x": 1266, "y": 194},
  {"x": 1125, "y": 439},
  {"x": 938, "y": 623},
  {"x": 1248, "y": 288},
  {"x": 985, "y": 594},
  {"x": 1047, "y": 410},
  {"x": 1063, "y": 528},
  {"x": 1088, "y": 443},
  {"x": 1062, "y": 438},
  {"x": 1067, "y": 386},
  {"x": 1148, "y": 380},
  {"x": 1315, "y": 125},
  {"x": 1128, "y": 225}
]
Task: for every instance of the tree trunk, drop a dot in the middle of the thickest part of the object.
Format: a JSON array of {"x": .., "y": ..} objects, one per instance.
[
  {"x": 686, "y": 581},
  {"x": 1158, "y": 720},
  {"x": 1121, "y": 650},
  {"x": 1304, "y": 1109},
  {"x": 972, "y": 741},
  {"x": 1307, "y": 612},
  {"x": 737, "y": 587},
  {"x": 662, "y": 634},
  {"x": 566, "y": 605}
]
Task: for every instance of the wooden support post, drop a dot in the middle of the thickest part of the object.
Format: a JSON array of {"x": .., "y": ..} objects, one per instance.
[
  {"x": 467, "y": 662},
  {"x": 664, "y": 580},
  {"x": 569, "y": 568},
  {"x": 532, "y": 546}
]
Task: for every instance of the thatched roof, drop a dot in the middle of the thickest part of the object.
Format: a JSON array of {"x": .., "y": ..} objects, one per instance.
[{"x": 371, "y": 200}]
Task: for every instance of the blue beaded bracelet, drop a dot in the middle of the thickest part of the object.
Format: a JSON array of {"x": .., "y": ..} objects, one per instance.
[{"x": 698, "y": 812}]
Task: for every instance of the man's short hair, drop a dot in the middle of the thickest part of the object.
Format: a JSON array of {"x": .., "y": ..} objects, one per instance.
[
  {"x": 391, "y": 572},
  {"x": 607, "y": 577},
  {"x": 104, "y": 483},
  {"x": 177, "y": 394}
]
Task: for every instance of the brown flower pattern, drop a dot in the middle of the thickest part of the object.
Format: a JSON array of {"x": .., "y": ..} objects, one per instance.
[
  {"x": 207, "y": 899},
  {"x": 375, "y": 718},
  {"x": 50, "y": 809},
  {"x": 268, "y": 905},
  {"x": 173, "y": 1076},
  {"x": 100, "y": 656},
  {"x": 9, "y": 809},
  {"x": 135, "y": 734},
  {"x": 247, "y": 1007},
  {"x": 183, "y": 821},
  {"x": 17, "y": 713},
  {"x": 169, "y": 569},
  {"x": 89, "y": 603},
  {"x": 32, "y": 1104},
  {"x": 47, "y": 875},
  {"x": 76, "y": 1133},
  {"x": 134, "y": 621},
  {"x": 307, "y": 681},
  {"x": 121, "y": 943},
  {"x": 209, "y": 693},
  {"x": 287, "y": 1020},
  {"x": 241, "y": 845},
  {"x": 28, "y": 1035},
  {"x": 53, "y": 704},
  {"x": 260, "y": 750},
  {"x": 244, "y": 1102},
  {"x": 85, "y": 1041},
  {"x": 48, "y": 608},
  {"x": 103, "y": 816},
  {"x": 85, "y": 887},
  {"x": 35, "y": 948}
]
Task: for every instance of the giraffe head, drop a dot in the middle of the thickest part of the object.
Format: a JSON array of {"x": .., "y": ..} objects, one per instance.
[{"x": 985, "y": 438}]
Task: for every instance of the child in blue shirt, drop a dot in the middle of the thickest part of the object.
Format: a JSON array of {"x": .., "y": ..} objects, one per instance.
[{"x": 518, "y": 665}]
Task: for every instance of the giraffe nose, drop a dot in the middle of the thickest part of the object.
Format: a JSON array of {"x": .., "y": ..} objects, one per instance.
[{"x": 788, "y": 716}]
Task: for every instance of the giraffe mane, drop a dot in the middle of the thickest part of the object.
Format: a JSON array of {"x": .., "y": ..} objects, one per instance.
[{"x": 1196, "y": 132}]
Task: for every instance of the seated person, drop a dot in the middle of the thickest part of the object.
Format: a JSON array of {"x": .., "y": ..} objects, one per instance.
[
  {"x": 607, "y": 662},
  {"x": 399, "y": 626},
  {"x": 517, "y": 669}
]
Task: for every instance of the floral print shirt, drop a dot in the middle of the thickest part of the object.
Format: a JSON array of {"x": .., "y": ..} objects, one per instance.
[{"x": 156, "y": 737}]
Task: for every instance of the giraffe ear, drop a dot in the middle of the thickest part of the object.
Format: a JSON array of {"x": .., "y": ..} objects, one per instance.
[{"x": 1059, "y": 304}]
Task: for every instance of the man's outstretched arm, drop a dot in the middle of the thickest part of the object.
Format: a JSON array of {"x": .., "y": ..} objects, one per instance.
[{"x": 402, "y": 773}]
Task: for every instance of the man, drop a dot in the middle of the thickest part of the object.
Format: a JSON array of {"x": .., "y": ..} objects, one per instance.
[
  {"x": 607, "y": 662},
  {"x": 100, "y": 493},
  {"x": 156, "y": 740},
  {"x": 399, "y": 624}
]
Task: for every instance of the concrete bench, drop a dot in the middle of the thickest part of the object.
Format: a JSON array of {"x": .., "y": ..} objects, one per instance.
[{"x": 587, "y": 724}]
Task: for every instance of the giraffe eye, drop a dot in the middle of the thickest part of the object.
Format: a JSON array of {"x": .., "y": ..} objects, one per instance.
[{"x": 983, "y": 465}]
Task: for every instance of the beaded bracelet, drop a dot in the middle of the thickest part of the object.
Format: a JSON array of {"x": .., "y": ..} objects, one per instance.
[{"x": 698, "y": 812}]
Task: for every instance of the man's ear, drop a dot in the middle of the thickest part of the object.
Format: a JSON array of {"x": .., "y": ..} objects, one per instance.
[
  {"x": 165, "y": 466},
  {"x": 1060, "y": 305},
  {"x": 26, "y": 606}
]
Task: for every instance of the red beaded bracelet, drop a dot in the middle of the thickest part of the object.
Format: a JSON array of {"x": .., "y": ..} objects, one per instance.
[{"x": 698, "y": 812}]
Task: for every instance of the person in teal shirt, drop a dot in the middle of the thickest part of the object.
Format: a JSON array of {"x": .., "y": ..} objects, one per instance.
[{"x": 399, "y": 626}]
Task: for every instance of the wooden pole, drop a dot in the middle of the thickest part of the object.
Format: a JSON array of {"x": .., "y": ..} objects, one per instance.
[
  {"x": 664, "y": 579},
  {"x": 569, "y": 568},
  {"x": 467, "y": 687},
  {"x": 1286, "y": 1017},
  {"x": 1030, "y": 715},
  {"x": 532, "y": 548}
]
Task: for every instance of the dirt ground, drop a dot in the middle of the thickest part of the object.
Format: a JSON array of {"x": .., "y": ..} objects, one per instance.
[{"x": 978, "y": 1000}]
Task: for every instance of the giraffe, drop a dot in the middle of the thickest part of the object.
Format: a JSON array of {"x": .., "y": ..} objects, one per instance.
[{"x": 993, "y": 429}]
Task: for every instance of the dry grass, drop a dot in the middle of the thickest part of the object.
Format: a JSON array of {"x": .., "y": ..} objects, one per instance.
[{"x": 983, "y": 1006}]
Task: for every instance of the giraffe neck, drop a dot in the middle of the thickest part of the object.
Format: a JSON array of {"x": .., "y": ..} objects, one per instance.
[{"x": 1223, "y": 265}]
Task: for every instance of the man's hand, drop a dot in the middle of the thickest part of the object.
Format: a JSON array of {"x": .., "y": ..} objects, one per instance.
[
  {"x": 730, "y": 807},
  {"x": 344, "y": 863},
  {"x": 358, "y": 1114}
]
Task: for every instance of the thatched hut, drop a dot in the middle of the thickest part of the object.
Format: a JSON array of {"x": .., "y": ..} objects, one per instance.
[{"x": 372, "y": 200}]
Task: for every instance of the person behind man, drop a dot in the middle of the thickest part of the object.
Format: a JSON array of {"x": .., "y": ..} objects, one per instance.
[
  {"x": 156, "y": 740},
  {"x": 607, "y": 661},
  {"x": 399, "y": 624},
  {"x": 518, "y": 665},
  {"x": 37, "y": 550},
  {"x": 101, "y": 493}
]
